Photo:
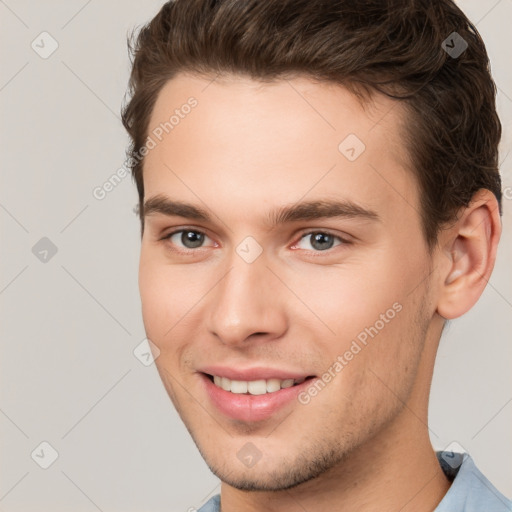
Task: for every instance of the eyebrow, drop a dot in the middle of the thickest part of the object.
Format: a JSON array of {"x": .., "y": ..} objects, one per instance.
[{"x": 308, "y": 210}]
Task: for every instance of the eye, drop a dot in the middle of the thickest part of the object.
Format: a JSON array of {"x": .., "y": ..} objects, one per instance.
[
  {"x": 187, "y": 238},
  {"x": 319, "y": 241}
]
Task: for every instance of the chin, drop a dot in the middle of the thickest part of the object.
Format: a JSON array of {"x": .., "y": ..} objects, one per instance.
[{"x": 280, "y": 473}]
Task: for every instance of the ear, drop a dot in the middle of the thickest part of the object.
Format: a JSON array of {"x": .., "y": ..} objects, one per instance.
[{"x": 470, "y": 246}]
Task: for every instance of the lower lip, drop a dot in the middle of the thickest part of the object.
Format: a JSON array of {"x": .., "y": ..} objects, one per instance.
[{"x": 251, "y": 408}]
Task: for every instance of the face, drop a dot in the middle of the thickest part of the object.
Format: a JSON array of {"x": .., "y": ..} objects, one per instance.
[{"x": 283, "y": 273}]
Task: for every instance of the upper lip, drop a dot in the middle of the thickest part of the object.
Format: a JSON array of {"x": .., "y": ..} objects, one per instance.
[{"x": 255, "y": 373}]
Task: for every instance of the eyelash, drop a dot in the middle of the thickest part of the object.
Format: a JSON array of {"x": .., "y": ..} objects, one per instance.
[{"x": 303, "y": 235}]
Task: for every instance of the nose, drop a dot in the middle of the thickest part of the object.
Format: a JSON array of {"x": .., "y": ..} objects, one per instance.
[{"x": 247, "y": 304}]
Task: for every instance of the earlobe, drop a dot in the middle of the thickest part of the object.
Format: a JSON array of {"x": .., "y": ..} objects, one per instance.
[{"x": 470, "y": 246}]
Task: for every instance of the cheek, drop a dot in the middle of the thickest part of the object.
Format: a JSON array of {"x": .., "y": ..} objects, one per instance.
[
  {"x": 374, "y": 321},
  {"x": 161, "y": 291},
  {"x": 372, "y": 380},
  {"x": 171, "y": 298},
  {"x": 158, "y": 292},
  {"x": 154, "y": 299},
  {"x": 164, "y": 313},
  {"x": 351, "y": 297},
  {"x": 382, "y": 374}
]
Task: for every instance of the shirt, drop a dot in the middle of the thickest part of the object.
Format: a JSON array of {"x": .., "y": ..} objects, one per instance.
[{"x": 470, "y": 490}]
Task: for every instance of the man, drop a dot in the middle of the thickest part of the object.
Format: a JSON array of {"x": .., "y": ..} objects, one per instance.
[{"x": 319, "y": 195}]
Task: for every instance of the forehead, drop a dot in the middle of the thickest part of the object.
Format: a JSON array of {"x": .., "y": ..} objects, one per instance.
[{"x": 268, "y": 142}]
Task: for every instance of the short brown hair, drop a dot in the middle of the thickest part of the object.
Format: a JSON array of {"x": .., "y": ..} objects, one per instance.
[{"x": 395, "y": 47}]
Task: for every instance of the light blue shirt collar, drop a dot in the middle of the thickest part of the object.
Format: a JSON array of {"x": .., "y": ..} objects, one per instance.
[{"x": 470, "y": 490}]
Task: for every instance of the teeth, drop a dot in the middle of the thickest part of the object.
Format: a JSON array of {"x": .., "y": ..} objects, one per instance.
[
  {"x": 273, "y": 385},
  {"x": 225, "y": 384},
  {"x": 288, "y": 383},
  {"x": 254, "y": 387},
  {"x": 239, "y": 386}
]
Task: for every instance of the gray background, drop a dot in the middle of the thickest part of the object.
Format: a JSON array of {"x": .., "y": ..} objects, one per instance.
[{"x": 69, "y": 325}]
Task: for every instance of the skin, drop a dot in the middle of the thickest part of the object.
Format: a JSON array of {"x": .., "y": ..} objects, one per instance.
[{"x": 247, "y": 148}]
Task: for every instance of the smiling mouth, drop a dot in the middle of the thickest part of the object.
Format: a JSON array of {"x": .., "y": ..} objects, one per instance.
[{"x": 255, "y": 387}]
